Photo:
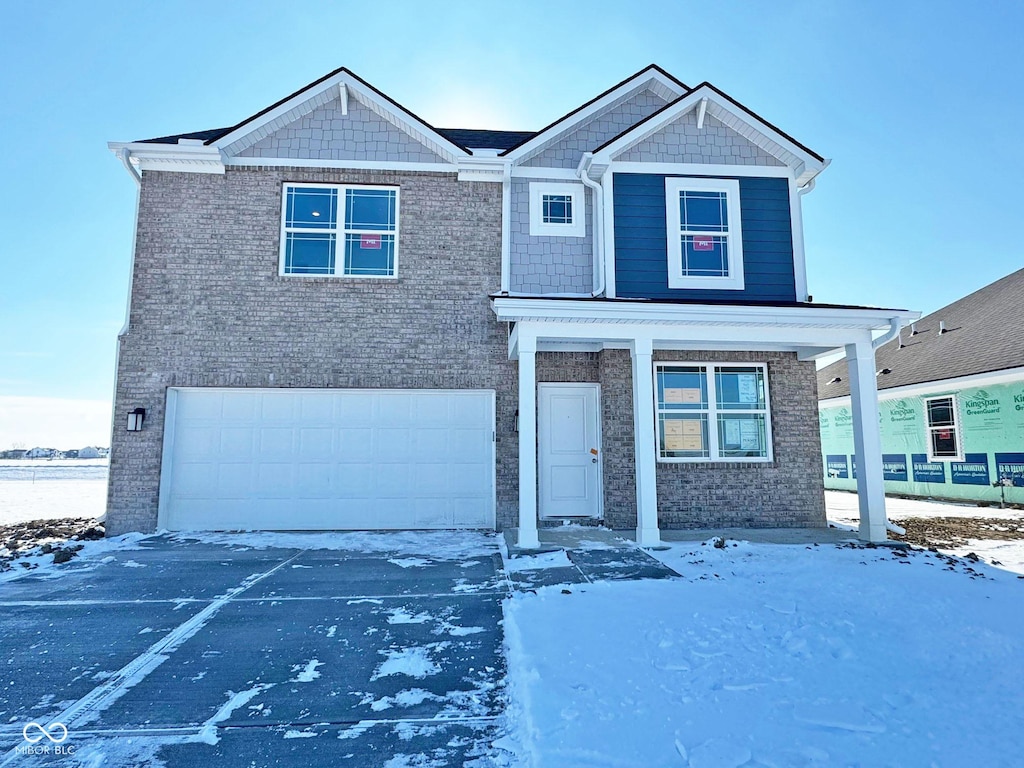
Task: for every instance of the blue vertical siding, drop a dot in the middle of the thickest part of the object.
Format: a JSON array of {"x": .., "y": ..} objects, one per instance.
[{"x": 641, "y": 258}]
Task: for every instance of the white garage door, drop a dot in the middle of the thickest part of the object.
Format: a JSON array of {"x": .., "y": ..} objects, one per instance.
[{"x": 327, "y": 459}]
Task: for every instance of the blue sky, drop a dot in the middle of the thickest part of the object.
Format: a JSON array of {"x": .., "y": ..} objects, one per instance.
[{"x": 916, "y": 103}]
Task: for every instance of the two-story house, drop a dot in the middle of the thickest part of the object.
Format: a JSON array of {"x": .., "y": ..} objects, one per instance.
[{"x": 342, "y": 317}]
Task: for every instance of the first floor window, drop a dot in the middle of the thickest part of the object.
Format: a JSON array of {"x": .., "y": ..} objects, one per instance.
[
  {"x": 712, "y": 412},
  {"x": 943, "y": 432},
  {"x": 705, "y": 242},
  {"x": 339, "y": 230}
]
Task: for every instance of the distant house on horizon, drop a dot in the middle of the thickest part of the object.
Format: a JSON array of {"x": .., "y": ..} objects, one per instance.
[
  {"x": 89, "y": 452},
  {"x": 40, "y": 453},
  {"x": 951, "y": 403}
]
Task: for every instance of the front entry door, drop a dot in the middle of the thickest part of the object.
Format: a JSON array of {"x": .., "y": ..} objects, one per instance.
[{"x": 569, "y": 440}]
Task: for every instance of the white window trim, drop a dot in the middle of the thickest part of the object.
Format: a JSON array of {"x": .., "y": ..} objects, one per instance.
[
  {"x": 538, "y": 228},
  {"x": 673, "y": 186},
  {"x": 339, "y": 232},
  {"x": 956, "y": 427},
  {"x": 712, "y": 412}
]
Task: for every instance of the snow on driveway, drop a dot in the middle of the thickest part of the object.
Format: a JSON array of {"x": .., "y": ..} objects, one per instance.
[{"x": 772, "y": 655}]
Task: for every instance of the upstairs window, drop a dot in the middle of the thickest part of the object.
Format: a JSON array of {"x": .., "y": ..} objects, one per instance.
[
  {"x": 712, "y": 412},
  {"x": 943, "y": 430},
  {"x": 557, "y": 209},
  {"x": 705, "y": 240},
  {"x": 338, "y": 230}
]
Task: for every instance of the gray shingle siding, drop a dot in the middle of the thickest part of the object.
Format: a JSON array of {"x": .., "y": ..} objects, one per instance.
[
  {"x": 548, "y": 264},
  {"x": 327, "y": 134},
  {"x": 566, "y": 152},
  {"x": 683, "y": 142}
]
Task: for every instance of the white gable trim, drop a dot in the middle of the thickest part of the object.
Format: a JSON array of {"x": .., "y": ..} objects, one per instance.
[
  {"x": 804, "y": 165},
  {"x": 649, "y": 79},
  {"x": 187, "y": 156},
  {"x": 344, "y": 86}
]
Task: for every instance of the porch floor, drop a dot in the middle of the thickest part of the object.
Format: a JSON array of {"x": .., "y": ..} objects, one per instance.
[{"x": 575, "y": 537}]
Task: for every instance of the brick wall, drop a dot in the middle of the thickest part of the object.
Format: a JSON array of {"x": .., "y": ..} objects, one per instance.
[
  {"x": 209, "y": 309},
  {"x": 787, "y": 492}
]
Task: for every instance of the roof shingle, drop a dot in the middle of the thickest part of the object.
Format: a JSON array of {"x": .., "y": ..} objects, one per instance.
[{"x": 984, "y": 333}]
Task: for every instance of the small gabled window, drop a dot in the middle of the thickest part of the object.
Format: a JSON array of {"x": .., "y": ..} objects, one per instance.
[
  {"x": 943, "y": 429},
  {"x": 557, "y": 209},
  {"x": 705, "y": 240},
  {"x": 338, "y": 230}
]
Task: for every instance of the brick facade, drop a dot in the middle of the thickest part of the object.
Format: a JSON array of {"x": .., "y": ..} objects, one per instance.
[{"x": 209, "y": 309}]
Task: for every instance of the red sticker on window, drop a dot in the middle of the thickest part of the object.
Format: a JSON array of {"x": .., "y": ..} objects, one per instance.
[
  {"x": 703, "y": 244},
  {"x": 369, "y": 242},
  {"x": 943, "y": 434}
]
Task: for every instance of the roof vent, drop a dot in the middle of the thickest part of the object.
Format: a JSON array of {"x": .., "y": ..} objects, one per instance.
[
  {"x": 942, "y": 327},
  {"x": 884, "y": 372},
  {"x": 913, "y": 329},
  {"x": 836, "y": 380},
  {"x": 899, "y": 338}
]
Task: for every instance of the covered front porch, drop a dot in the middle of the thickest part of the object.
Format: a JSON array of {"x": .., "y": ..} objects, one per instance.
[{"x": 680, "y": 434}]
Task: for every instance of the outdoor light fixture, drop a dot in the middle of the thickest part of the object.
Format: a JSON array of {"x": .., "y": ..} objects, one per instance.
[
  {"x": 515, "y": 426},
  {"x": 135, "y": 419}
]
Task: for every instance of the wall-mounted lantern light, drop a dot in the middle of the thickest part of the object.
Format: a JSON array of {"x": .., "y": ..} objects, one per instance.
[{"x": 135, "y": 419}]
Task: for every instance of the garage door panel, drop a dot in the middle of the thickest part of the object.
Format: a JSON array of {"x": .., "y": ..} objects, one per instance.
[
  {"x": 315, "y": 442},
  {"x": 279, "y": 406},
  {"x": 276, "y": 442},
  {"x": 243, "y": 407},
  {"x": 328, "y": 459}
]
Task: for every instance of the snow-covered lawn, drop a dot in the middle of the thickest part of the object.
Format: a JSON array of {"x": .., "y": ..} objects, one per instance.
[
  {"x": 37, "y": 490},
  {"x": 841, "y": 507},
  {"x": 773, "y": 655}
]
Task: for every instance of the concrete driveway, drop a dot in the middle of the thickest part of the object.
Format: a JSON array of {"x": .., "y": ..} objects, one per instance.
[{"x": 382, "y": 650}]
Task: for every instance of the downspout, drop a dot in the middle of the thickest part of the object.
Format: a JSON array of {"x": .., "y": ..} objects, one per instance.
[{"x": 596, "y": 213}]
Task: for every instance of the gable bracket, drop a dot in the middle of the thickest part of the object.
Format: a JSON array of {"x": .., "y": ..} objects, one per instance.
[
  {"x": 703, "y": 110},
  {"x": 343, "y": 98}
]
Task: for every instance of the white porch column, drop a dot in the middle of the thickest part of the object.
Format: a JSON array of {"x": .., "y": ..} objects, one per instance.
[
  {"x": 867, "y": 441},
  {"x": 647, "y": 533},
  {"x": 528, "y": 443}
]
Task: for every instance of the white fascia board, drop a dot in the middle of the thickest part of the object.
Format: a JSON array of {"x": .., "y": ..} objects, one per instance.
[
  {"x": 564, "y": 126},
  {"x": 181, "y": 158},
  {"x": 643, "y": 312},
  {"x": 482, "y": 168},
  {"x": 808, "y": 166},
  {"x": 401, "y": 119},
  {"x": 939, "y": 386},
  {"x": 692, "y": 336},
  {"x": 534, "y": 172}
]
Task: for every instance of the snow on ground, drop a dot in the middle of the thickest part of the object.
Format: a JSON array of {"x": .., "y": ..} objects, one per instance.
[
  {"x": 841, "y": 508},
  {"x": 43, "y": 489},
  {"x": 773, "y": 655},
  {"x": 442, "y": 545},
  {"x": 89, "y": 557}
]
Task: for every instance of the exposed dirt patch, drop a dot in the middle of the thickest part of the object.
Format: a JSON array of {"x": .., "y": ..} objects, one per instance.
[
  {"x": 44, "y": 537},
  {"x": 948, "y": 532}
]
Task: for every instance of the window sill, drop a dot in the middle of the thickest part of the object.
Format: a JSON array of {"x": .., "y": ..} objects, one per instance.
[{"x": 730, "y": 464}]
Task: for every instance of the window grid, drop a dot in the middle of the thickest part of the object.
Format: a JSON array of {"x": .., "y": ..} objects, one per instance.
[
  {"x": 701, "y": 213},
  {"x": 705, "y": 240},
  {"x": 365, "y": 227},
  {"x": 556, "y": 209},
  {"x": 943, "y": 429},
  {"x": 709, "y": 411}
]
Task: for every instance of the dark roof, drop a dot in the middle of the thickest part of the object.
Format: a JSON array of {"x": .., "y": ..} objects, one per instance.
[
  {"x": 465, "y": 137},
  {"x": 210, "y": 135},
  {"x": 701, "y": 302},
  {"x": 482, "y": 139},
  {"x": 983, "y": 334},
  {"x": 725, "y": 96}
]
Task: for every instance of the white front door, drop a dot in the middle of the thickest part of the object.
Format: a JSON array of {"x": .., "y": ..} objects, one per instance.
[{"x": 569, "y": 438}]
